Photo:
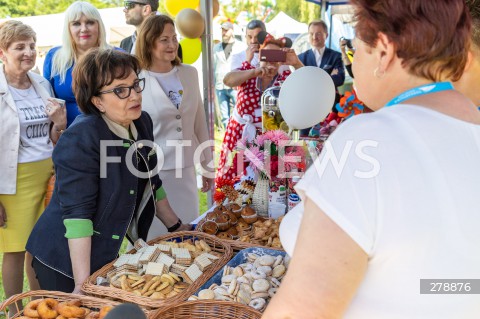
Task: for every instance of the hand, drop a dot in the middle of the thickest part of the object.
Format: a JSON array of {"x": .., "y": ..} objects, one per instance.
[
  {"x": 251, "y": 50},
  {"x": 3, "y": 216},
  {"x": 185, "y": 227},
  {"x": 78, "y": 290},
  {"x": 343, "y": 44},
  {"x": 56, "y": 113},
  {"x": 207, "y": 184},
  {"x": 334, "y": 72},
  {"x": 292, "y": 58}
]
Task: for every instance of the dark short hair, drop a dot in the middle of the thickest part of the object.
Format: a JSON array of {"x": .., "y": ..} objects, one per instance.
[
  {"x": 153, "y": 4},
  {"x": 431, "y": 37},
  {"x": 320, "y": 23},
  {"x": 474, "y": 8},
  {"x": 254, "y": 24},
  {"x": 99, "y": 68},
  {"x": 150, "y": 30}
]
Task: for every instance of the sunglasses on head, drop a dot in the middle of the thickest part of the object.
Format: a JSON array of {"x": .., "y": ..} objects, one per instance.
[
  {"x": 131, "y": 4},
  {"x": 122, "y": 92}
]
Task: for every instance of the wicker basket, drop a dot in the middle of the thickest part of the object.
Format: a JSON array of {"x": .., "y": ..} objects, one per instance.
[
  {"x": 206, "y": 309},
  {"x": 87, "y": 301},
  {"x": 238, "y": 245},
  {"x": 90, "y": 286}
]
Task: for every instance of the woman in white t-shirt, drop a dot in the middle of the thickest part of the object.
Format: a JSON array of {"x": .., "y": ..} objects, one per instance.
[
  {"x": 30, "y": 123},
  {"x": 172, "y": 98},
  {"x": 393, "y": 197}
]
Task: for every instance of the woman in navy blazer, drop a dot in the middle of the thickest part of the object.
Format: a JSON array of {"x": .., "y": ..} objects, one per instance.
[{"x": 105, "y": 189}]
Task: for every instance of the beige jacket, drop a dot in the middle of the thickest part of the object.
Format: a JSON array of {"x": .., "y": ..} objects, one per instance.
[
  {"x": 10, "y": 129},
  {"x": 174, "y": 128}
]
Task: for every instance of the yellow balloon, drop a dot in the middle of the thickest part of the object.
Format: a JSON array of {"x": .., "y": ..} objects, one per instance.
[
  {"x": 191, "y": 49},
  {"x": 175, "y": 6}
]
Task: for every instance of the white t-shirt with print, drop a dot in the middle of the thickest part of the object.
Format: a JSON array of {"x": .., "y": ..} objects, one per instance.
[
  {"x": 171, "y": 85},
  {"x": 406, "y": 190},
  {"x": 35, "y": 143}
]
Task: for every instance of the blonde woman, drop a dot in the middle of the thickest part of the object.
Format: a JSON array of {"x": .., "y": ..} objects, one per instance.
[
  {"x": 31, "y": 122},
  {"x": 83, "y": 29}
]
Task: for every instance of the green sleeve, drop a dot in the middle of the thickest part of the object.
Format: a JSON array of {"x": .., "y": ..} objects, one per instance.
[
  {"x": 78, "y": 228},
  {"x": 160, "y": 194}
]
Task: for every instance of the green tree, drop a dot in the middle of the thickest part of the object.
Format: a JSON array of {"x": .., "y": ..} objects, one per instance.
[
  {"x": 22, "y": 8},
  {"x": 300, "y": 10}
]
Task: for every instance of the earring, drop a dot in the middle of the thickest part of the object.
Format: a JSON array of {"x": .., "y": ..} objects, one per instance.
[{"x": 378, "y": 74}]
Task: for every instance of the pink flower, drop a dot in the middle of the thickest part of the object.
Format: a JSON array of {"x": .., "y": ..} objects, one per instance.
[
  {"x": 276, "y": 136},
  {"x": 256, "y": 157}
]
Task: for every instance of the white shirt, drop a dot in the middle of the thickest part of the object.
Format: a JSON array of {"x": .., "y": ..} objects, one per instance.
[
  {"x": 318, "y": 55},
  {"x": 240, "y": 57},
  {"x": 35, "y": 143},
  {"x": 417, "y": 218},
  {"x": 134, "y": 42},
  {"x": 171, "y": 85}
]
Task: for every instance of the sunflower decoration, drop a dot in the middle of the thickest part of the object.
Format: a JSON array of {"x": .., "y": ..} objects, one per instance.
[{"x": 349, "y": 105}]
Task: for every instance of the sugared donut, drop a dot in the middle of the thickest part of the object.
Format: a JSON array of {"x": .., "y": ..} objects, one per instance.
[
  {"x": 71, "y": 309},
  {"x": 46, "y": 309},
  {"x": 30, "y": 309},
  {"x": 257, "y": 303}
]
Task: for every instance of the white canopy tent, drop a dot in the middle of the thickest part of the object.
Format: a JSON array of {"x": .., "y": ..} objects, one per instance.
[
  {"x": 283, "y": 24},
  {"x": 49, "y": 28}
]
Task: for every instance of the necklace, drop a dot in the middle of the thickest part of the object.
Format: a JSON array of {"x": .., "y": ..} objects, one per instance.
[
  {"x": 420, "y": 90},
  {"x": 21, "y": 92}
]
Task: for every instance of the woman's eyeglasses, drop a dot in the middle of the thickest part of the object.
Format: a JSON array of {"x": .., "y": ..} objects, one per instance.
[
  {"x": 131, "y": 4},
  {"x": 124, "y": 91}
]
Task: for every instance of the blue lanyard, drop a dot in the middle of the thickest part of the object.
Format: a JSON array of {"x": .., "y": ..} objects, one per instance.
[{"x": 420, "y": 90}]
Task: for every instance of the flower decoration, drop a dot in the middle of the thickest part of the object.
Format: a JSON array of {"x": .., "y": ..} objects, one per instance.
[{"x": 349, "y": 105}]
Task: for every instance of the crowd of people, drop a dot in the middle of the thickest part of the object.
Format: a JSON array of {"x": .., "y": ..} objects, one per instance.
[{"x": 415, "y": 217}]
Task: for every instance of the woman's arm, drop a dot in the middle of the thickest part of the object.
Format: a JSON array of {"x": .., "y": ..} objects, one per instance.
[
  {"x": 237, "y": 77},
  {"x": 168, "y": 217},
  {"x": 80, "y": 250},
  {"x": 324, "y": 274}
]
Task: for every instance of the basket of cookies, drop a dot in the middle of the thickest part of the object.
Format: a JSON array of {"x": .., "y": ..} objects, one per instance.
[
  {"x": 206, "y": 309},
  {"x": 55, "y": 304},
  {"x": 241, "y": 227},
  {"x": 164, "y": 271},
  {"x": 251, "y": 278}
]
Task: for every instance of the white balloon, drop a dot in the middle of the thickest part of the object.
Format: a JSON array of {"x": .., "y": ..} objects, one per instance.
[{"x": 306, "y": 97}]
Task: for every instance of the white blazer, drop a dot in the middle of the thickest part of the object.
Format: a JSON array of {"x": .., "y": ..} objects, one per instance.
[
  {"x": 174, "y": 128},
  {"x": 10, "y": 129}
]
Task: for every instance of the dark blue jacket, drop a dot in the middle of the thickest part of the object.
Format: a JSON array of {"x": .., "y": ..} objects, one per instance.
[
  {"x": 331, "y": 60},
  {"x": 81, "y": 193}
]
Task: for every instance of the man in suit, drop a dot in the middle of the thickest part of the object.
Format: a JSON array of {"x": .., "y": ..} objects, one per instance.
[
  {"x": 222, "y": 58},
  {"x": 319, "y": 55},
  {"x": 135, "y": 13}
]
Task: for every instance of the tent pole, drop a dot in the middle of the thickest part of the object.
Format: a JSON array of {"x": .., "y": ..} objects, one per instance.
[{"x": 206, "y": 8}]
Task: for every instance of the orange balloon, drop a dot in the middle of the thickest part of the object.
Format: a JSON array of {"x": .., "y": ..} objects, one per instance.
[{"x": 190, "y": 23}]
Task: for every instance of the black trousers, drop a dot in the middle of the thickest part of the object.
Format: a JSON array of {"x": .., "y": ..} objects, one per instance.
[{"x": 50, "y": 279}]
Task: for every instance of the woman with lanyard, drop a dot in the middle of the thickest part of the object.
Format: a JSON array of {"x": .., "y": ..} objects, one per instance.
[
  {"x": 247, "y": 115},
  {"x": 402, "y": 203}
]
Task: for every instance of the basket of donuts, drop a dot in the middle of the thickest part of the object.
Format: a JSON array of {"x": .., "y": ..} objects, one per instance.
[
  {"x": 241, "y": 227},
  {"x": 55, "y": 304},
  {"x": 251, "y": 278},
  {"x": 206, "y": 309},
  {"x": 164, "y": 271}
]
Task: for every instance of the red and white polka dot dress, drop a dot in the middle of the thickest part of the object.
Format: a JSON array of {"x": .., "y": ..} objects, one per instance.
[{"x": 248, "y": 99}]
